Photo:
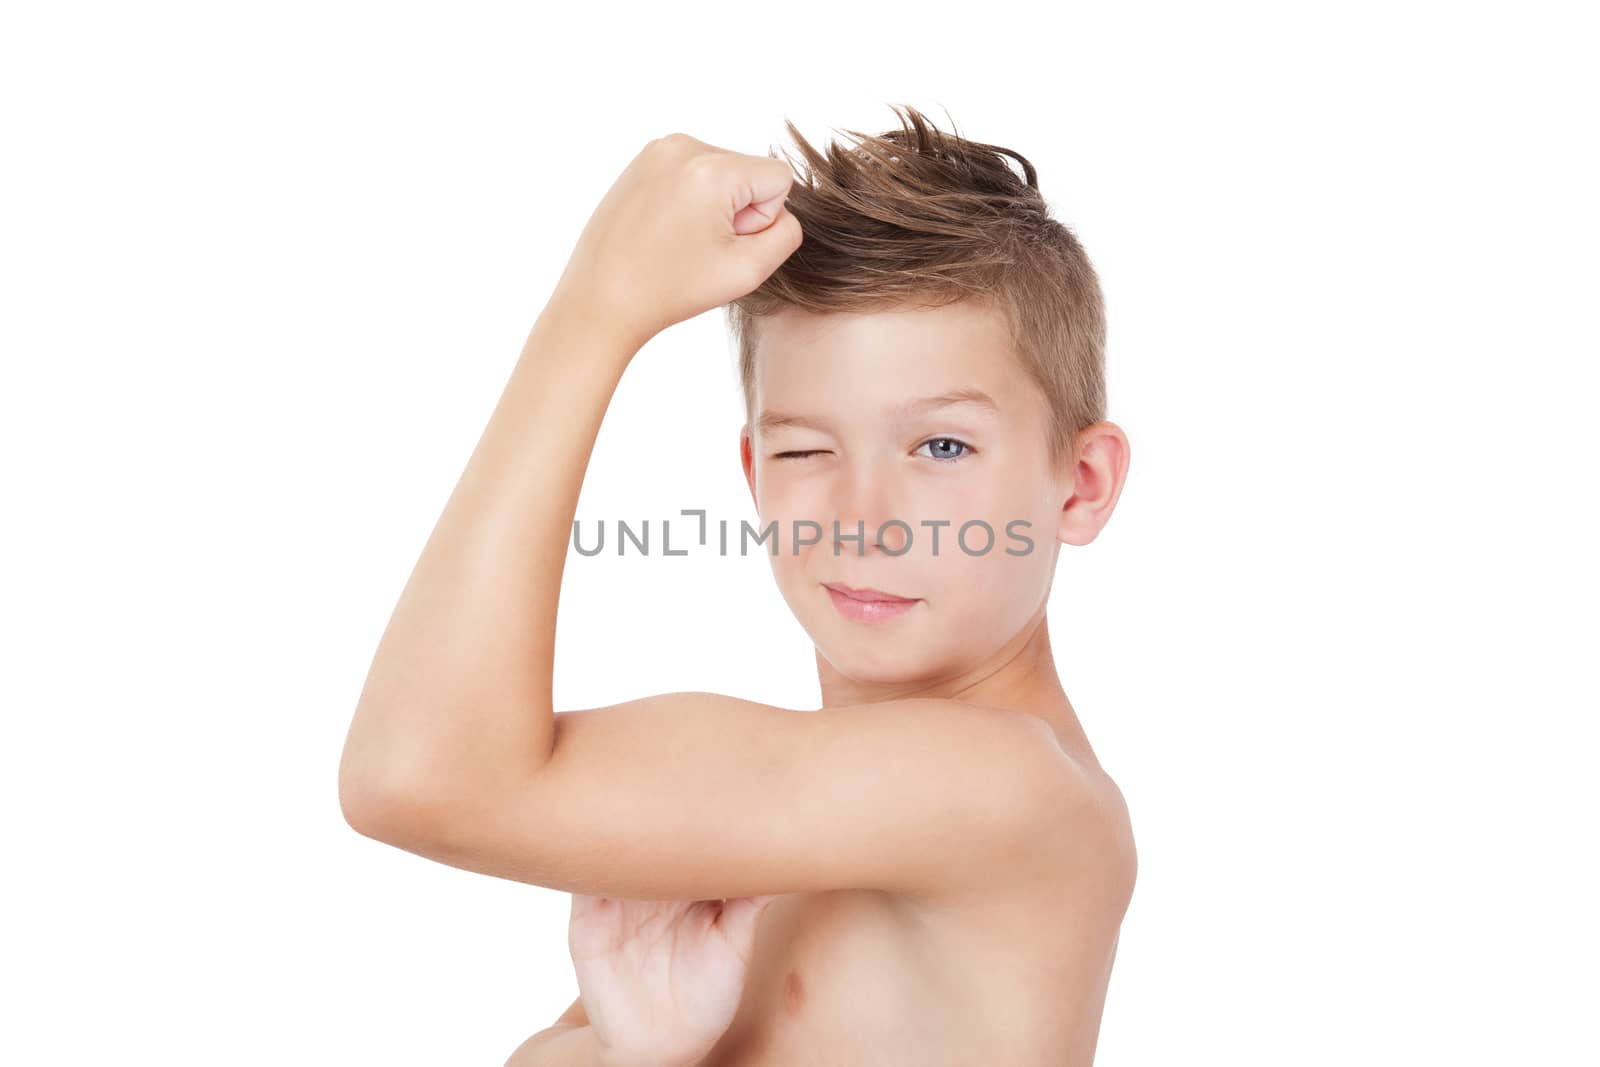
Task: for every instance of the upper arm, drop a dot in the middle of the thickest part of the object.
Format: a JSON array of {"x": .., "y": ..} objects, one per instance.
[{"x": 695, "y": 796}]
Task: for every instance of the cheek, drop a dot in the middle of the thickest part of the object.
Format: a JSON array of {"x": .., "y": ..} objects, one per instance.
[
  {"x": 1003, "y": 566},
  {"x": 992, "y": 595},
  {"x": 983, "y": 503},
  {"x": 786, "y": 494},
  {"x": 797, "y": 503}
]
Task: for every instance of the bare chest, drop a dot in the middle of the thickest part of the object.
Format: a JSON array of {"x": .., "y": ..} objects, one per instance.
[{"x": 853, "y": 978}]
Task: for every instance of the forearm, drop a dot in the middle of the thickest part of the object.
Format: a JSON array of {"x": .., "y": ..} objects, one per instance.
[
  {"x": 563, "y": 1045},
  {"x": 570, "y": 1045},
  {"x": 460, "y": 686}
]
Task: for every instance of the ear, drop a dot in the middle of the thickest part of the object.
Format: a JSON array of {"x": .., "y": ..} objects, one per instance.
[
  {"x": 747, "y": 459},
  {"x": 1094, "y": 482}
]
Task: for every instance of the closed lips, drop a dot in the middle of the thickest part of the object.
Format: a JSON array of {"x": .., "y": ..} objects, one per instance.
[{"x": 874, "y": 596}]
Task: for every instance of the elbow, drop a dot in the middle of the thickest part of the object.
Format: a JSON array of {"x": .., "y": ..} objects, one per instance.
[
  {"x": 413, "y": 807},
  {"x": 385, "y": 806},
  {"x": 414, "y": 814},
  {"x": 359, "y": 807},
  {"x": 366, "y": 810},
  {"x": 385, "y": 782}
]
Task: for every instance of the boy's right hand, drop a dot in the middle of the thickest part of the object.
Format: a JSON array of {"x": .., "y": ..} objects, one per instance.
[
  {"x": 687, "y": 227},
  {"x": 661, "y": 979}
]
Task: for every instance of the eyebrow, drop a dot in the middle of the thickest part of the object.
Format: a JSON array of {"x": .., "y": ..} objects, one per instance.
[{"x": 772, "y": 420}]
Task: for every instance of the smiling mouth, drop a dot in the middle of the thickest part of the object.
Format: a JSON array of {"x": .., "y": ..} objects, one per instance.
[{"x": 868, "y": 605}]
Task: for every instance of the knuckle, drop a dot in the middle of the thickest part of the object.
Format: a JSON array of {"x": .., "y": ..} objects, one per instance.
[
  {"x": 665, "y": 144},
  {"x": 782, "y": 170},
  {"x": 700, "y": 165}
]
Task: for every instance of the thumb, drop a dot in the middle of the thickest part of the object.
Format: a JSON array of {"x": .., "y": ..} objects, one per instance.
[
  {"x": 759, "y": 185},
  {"x": 774, "y": 240},
  {"x": 739, "y": 916},
  {"x": 757, "y": 217}
]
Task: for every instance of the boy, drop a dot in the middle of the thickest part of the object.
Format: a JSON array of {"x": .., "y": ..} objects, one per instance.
[{"x": 933, "y": 867}]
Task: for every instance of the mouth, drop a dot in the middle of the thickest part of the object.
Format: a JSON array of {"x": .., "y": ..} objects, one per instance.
[
  {"x": 868, "y": 605},
  {"x": 871, "y": 596}
]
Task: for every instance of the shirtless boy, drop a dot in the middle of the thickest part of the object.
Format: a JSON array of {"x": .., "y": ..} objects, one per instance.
[{"x": 932, "y": 868}]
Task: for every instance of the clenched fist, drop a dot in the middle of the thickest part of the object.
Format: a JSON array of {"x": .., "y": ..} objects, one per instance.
[{"x": 687, "y": 227}]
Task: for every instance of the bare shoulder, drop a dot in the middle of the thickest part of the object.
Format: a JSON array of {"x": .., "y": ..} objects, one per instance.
[
  {"x": 1108, "y": 853},
  {"x": 1031, "y": 946},
  {"x": 1081, "y": 828}
]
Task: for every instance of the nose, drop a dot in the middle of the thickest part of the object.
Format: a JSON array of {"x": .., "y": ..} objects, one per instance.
[{"x": 864, "y": 502}]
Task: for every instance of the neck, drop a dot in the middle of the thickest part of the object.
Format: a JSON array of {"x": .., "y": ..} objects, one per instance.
[{"x": 1020, "y": 676}]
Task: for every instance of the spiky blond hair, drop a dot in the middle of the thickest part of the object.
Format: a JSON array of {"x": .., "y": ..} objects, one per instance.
[{"x": 917, "y": 217}]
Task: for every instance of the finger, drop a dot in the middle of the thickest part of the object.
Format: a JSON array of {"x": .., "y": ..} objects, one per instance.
[
  {"x": 754, "y": 181},
  {"x": 738, "y": 919},
  {"x": 757, "y": 217},
  {"x": 776, "y": 241},
  {"x": 770, "y": 179}
]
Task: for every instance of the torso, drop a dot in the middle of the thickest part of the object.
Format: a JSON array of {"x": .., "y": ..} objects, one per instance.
[{"x": 1014, "y": 974}]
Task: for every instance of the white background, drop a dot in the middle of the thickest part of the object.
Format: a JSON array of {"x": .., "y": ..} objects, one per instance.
[{"x": 266, "y": 268}]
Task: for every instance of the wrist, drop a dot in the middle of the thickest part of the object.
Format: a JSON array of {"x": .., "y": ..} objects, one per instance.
[{"x": 574, "y": 310}]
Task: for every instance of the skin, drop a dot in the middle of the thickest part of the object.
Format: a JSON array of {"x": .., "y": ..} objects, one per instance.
[
  {"x": 978, "y": 633},
  {"x": 932, "y": 867}
]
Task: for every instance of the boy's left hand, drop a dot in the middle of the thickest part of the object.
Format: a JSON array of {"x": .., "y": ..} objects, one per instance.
[
  {"x": 661, "y": 980},
  {"x": 686, "y": 228}
]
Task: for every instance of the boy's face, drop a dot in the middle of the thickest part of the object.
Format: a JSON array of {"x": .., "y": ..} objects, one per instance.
[{"x": 869, "y": 454}]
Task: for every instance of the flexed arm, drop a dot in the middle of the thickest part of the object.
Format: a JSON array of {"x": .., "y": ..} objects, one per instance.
[
  {"x": 460, "y": 686},
  {"x": 455, "y": 751}
]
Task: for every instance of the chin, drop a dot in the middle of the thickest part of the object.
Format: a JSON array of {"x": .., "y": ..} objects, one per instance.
[{"x": 885, "y": 663}]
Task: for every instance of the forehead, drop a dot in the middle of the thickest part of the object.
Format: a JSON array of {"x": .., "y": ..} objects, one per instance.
[{"x": 874, "y": 361}]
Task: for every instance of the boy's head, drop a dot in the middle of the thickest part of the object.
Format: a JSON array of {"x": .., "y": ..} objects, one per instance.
[{"x": 928, "y": 268}]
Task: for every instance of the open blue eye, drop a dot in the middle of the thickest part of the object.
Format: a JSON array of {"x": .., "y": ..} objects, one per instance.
[{"x": 945, "y": 455}]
